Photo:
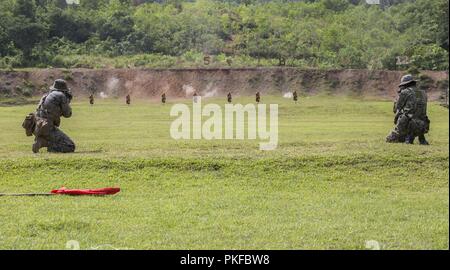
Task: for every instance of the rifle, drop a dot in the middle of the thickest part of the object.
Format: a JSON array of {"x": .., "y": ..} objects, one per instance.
[
  {"x": 25, "y": 194},
  {"x": 397, "y": 115}
]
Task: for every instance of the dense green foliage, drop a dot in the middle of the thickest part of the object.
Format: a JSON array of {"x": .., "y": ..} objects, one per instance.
[
  {"x": 333, "y": 183},
  {"x": 319, "y": 34}
]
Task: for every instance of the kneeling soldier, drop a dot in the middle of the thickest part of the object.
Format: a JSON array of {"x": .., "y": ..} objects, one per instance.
[{"x": 51, "y": 107}]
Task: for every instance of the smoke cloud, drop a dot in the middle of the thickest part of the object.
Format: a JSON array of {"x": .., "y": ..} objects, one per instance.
[
  {"x": 188, "y": 90},
  {"x": 112, "y": 86}
]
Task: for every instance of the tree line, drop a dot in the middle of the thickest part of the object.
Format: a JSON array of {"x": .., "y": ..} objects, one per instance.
[{"x": 398, "y": 34}]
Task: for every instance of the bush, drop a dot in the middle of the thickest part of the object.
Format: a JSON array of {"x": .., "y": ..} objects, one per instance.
[
  {"x": 9, "y": 62},
  {"x": 413, "y": 70},
  {"x": 316, "y": 34},
  {"x": 430, "y": 57},
  {"x": 425, "y": 81}
]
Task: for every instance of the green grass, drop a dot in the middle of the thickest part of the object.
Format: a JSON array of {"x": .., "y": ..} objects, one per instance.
[{"x": 333, "y": 183}]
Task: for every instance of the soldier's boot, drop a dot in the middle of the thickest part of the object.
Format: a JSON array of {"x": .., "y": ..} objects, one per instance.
[
  {"x": 394, "y": 137},
  {"x": 390, "y": 138},
  {"x": 422, "y": 140},
  {"x": 409, "y": 139},
  {"x": 35, "y": 148},
  {"x": 38, "y": 144}
]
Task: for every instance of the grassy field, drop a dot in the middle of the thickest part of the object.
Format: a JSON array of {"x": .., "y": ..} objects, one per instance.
[{"x": 333, "y": 183}]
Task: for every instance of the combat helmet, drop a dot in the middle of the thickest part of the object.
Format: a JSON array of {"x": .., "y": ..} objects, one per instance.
[
  {"x": 406, "y": 80},
  {"x": 59, "y": 85}
]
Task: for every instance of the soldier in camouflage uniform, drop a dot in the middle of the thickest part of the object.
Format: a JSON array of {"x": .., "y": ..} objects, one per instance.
[
  {"x": 91, "y": 99},
  {"x": 404, "y": 110},
  {"x": 52, "y": 106},
  {"x": 295, "y": 97}
]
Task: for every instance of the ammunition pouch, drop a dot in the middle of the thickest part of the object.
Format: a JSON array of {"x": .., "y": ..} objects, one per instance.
[
  {"x": 29, "y": 124},
  {"x": 43, "y": 127}
]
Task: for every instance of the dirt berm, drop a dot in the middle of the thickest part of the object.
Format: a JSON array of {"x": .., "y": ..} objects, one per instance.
[{"x": 148, "y": 83}]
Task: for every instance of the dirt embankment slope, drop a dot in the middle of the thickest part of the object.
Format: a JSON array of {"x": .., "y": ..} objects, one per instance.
[{"x": 148, "y": 83}]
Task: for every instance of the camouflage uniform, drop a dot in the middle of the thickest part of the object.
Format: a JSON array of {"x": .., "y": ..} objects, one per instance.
[
  {"x": 405, "y": 108},
  {"x": 420, "y": 123},
  {"x": 51, "y": 107}
]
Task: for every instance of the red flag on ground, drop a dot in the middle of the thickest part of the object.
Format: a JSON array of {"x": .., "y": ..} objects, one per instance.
[{"x": 98, "y": 191}]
